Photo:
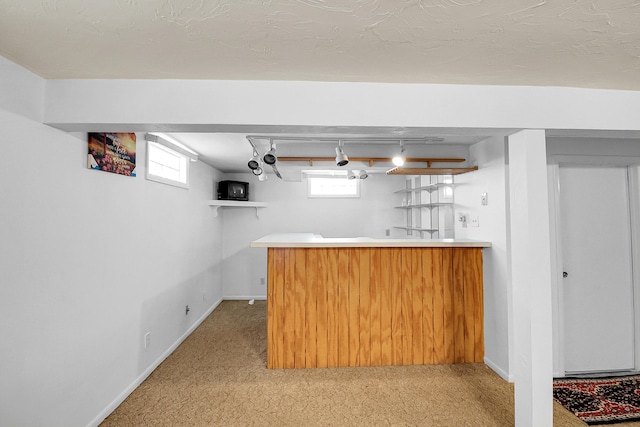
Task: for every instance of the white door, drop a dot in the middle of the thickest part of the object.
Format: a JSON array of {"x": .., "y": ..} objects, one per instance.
[{"x": 597, "y": 287}]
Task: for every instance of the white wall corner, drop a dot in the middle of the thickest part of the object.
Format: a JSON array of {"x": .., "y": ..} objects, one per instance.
[
  {"x": 21, "y": 91},
  {"x": 501, "y": 372}
]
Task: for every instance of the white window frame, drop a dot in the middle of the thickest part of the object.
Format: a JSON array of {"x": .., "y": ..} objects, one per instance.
[
  {"x": 337, "y": 179},
  {"x": 183, "y": 169}
]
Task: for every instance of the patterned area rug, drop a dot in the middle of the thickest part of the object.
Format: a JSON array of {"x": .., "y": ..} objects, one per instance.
[{"x": 600, "y": 400}]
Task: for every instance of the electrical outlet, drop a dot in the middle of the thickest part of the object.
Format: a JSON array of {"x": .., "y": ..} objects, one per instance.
[
  {"x": 262, "y": 281},
  {"x": 475, "y": 221},
  {"x": 147, "y": 339},
  {"x": 462, "y": 219}
]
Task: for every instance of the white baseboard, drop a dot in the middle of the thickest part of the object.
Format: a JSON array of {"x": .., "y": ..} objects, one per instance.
[
  {"x": 505, "y": 376},
  {"x": 244, "y": 297},
  {"x": 122, "y": 396}
]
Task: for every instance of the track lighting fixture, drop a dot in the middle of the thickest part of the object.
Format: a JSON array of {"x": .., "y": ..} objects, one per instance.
[
  {"x": 258, "y": 162},
  {"x": 254, "y": 162},
  {"x": 270, "y": 157},
  {"x": 400, "y": 158},
  {"x": 256, "y": 166},
  {"x": 341, "y": 158},
  {"x": 358, "y": 175}
]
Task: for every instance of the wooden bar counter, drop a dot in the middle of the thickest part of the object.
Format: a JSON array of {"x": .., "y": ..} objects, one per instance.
[{"x": 372, "y": 302}]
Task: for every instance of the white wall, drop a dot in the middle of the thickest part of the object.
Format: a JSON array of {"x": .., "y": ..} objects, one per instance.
[
  {"x": 291, "y": 211},
  {"x": 489, "y": 156},
  {"x": 89, "y": 262}
]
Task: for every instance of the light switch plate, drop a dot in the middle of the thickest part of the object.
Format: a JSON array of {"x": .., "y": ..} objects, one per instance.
[{"x": 484, "y": 199}]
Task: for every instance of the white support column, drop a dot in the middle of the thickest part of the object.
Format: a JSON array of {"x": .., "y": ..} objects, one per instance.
[{"x": 531, "y": 279}]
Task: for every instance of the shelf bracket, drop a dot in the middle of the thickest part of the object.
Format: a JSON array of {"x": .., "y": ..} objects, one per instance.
[
  {"x": 216, "y": 205},
  {"x": 215, "y": 211}
]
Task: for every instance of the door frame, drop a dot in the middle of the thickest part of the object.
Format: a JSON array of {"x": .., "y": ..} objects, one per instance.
[{"x": 632, "y": 165}]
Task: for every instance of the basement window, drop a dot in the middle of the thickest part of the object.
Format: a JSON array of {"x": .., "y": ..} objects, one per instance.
[
  {"x": 333, "y": 187},
  {"x": 167, "y": 166}
]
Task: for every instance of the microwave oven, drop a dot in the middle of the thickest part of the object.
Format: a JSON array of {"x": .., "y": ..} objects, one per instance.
[{"x": 233, "y": 190}]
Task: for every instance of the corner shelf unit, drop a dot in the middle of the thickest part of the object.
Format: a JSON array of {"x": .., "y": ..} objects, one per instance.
[
  {"x": 216, "y": 204},
  {"x": 428, "y": 202}
]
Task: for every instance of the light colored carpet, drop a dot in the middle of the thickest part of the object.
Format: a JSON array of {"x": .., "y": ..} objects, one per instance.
[{"x": 218, "y": 377}]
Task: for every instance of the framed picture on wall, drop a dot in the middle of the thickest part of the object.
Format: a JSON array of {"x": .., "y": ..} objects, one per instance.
[{"x": 113, "y": 152}]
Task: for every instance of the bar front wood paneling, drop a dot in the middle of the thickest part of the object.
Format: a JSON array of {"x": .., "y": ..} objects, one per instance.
[
  {"x": 321, "y": 307},
  {"x": 374, "y": 306}
]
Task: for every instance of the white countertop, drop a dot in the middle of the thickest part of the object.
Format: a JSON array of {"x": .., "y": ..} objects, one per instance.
[{"x": 310, "y": 240}]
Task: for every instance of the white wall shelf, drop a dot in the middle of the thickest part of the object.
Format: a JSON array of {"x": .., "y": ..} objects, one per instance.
[
  {"x": 429, "y": 205},
  {"x": 216, "y": 204},
  {"x": 429, "y": 187},
  {"x": 425, "y": 205}
]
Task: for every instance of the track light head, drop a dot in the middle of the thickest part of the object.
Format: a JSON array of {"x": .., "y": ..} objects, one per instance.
[
  {"x": 254, "y": 162},
  {"x": 357, "y": 175},
  {"x": 341, "y": 158},
  {"x": 262, "y": 177},
  {"x": 270, "y": 157},
  {"x": 400, "y": 158}
]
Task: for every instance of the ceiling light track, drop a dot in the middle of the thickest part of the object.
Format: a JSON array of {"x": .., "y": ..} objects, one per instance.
[
  {"x": 426, "y": 139},
  {"x": 371, "y": 160}
]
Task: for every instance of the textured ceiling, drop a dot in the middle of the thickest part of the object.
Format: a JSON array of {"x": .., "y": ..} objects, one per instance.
[{"x": 577, "y": 43}]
